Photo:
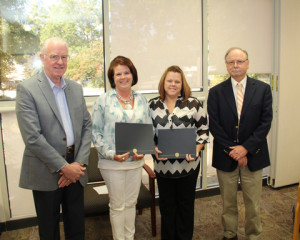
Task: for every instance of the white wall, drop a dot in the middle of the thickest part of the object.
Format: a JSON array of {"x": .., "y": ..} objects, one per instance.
[{"x": 286, "y": 166}]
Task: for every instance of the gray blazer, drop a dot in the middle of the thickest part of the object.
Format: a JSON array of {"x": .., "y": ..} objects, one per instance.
[{"x": 43, "y": 134}]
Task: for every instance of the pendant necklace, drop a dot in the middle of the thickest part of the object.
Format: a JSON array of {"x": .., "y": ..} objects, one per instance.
[{"x": 127, "y": 102}]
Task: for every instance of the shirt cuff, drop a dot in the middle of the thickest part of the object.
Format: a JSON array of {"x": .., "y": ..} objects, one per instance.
[{"x": 61, "y": 167}]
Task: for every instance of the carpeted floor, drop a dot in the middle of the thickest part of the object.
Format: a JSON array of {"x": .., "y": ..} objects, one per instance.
[{"x": 276, "y": 208}]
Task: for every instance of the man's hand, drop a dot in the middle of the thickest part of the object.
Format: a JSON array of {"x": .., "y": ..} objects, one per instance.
[
  {"x": 238, "y": 152},
  {"x": 243, "y": 162},
  {"x": 63, "y": 182},
  {"x": 72, "y": 171}
]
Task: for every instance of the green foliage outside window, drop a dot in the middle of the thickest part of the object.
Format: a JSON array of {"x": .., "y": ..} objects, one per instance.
[
  {"x": 216, "y": 79},
  {"x": 26, "y": 24}
]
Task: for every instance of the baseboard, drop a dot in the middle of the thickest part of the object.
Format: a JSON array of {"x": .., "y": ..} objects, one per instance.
[
  {"x": 2, "y": 225},
  {"x": 17, "y": 224}
]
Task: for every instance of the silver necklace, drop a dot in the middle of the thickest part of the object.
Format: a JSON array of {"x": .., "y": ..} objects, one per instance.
[{"x": 127, "y": 102}]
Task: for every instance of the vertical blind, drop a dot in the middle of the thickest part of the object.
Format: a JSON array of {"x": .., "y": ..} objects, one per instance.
[
  {"x": 240, "y": 23},
  {"x": 156, "y": 35}
]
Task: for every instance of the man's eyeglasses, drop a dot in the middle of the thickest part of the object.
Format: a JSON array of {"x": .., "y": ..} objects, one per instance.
[
  {"x": 55, "y": 58},
  {"x": 238, "y": 62}
]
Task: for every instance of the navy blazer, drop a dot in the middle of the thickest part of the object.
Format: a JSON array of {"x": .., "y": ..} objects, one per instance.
[{"x": 255, "y": 123}]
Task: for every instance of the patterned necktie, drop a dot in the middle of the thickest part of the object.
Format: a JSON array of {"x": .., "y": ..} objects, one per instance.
[{"x": 240, "y": 99}]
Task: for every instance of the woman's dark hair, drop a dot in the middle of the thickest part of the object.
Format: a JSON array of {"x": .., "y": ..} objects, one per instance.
[{"x": 120, "y": 60}]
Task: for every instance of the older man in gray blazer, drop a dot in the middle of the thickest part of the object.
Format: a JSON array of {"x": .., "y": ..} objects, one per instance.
[{"x": 56, "y": 129}]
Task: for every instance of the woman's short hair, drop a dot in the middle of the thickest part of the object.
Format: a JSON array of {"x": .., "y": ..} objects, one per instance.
[
  {"x": 120, "y": 60},
  {"x": 185, "y": 89}
]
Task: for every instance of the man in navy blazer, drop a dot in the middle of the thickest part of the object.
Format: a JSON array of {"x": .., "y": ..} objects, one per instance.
[
  {"x": 56, "y": 129},
  {"x": 240, "y": 149}
]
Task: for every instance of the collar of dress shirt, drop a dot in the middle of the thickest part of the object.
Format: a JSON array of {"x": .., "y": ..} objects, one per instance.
[
  {"x": 62, "y": 83},
  {"x": 243, "y": 82}
]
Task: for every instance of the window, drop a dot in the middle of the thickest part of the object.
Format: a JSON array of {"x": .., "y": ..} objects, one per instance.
[
  {"x": 156, "y": 35},
  {"x": 25, "y": 24}
]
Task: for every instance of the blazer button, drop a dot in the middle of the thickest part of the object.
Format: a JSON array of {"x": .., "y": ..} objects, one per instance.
[
  {"x": 64, "y": 138},
  {"x": 235, "y": 141},
  {"x": 236, "y": 126},
  {"x": 64, "y": 156}
]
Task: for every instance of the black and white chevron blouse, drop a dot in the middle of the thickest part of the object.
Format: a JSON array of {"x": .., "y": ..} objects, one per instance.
[{"x": 186, "y": 114}]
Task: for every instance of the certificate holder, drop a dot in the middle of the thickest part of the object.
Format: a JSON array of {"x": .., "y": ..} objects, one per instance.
[
  {"x": 134, "y": 138},
  {"x": 176, "y": 143}
]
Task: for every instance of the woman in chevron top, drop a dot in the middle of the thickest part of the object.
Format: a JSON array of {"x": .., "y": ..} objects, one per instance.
[{"x": 176, "y": 178}]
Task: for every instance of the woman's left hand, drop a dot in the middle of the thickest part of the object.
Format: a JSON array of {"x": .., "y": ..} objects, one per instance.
[
  {"x": 198, "y": 149},
  {"x": 189, "y": 158},
  {"x": 137, "y": 156}
]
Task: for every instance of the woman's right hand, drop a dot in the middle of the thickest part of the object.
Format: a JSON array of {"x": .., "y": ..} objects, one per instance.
[
  {"x": 157, "y": 151},
  {"x": 122, "y": 158}
]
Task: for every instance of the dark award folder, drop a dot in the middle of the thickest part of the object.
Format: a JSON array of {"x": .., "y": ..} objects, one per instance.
[
  {"x": 176, "y": 143},
  {"x": 134, "y": 138}
]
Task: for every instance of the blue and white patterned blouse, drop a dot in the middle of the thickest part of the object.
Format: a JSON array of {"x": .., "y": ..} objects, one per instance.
[{"x": 107, "y": 111}]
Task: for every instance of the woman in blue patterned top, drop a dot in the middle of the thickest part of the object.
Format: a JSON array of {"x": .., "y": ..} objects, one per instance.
[
  {"x": 176, "y": 178},
  {"x": 122, "y": 173}
]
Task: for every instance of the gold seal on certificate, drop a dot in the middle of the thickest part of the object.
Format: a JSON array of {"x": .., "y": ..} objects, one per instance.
[
  {"x": 134, "y": 138},
  {"x": 176, "y": 143}
]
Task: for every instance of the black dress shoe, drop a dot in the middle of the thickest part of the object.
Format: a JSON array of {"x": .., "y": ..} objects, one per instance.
[{"x": 233, "y": 238}]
